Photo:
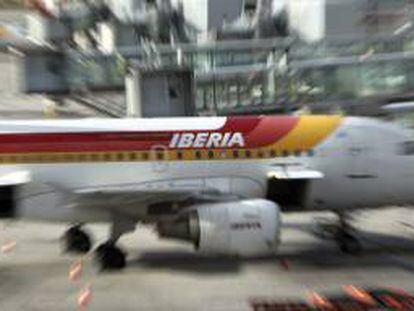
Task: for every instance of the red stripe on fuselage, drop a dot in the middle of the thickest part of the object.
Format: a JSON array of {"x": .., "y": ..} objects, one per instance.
[
  {"x": 271, "y": 130},
  {"x": 258, "y": 131},
  {"x": 241, "y": 124},
  {"x": 81, "y": 142}
]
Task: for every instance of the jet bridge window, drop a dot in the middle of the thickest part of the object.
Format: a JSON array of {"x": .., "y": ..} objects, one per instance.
[{"x": 407, "y": 148}]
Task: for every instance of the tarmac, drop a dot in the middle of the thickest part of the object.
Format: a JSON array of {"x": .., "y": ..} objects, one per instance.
[{"x": 169, "y": 275}]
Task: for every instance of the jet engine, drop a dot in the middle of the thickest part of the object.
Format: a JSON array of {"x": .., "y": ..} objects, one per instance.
[{"x": 247, "y": 228}]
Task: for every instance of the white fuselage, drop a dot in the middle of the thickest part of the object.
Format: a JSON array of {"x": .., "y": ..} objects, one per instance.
[{"x": 362, "y": 162}]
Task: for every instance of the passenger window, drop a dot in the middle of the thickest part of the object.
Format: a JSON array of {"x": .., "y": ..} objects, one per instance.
[
  {"x": 235, "y": 154},
  {"x": 248, "y": 154},
  {"x": 211, "y": 154},
  {"x": 407, "y": 148},
  {"x": 198, "y": 155}
]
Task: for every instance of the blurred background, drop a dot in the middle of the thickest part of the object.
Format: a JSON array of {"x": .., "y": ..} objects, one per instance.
[{"x": 212, "y": 57}]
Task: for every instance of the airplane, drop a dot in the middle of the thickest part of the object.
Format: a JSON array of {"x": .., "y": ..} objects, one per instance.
[{"x": 219, "y": 183}]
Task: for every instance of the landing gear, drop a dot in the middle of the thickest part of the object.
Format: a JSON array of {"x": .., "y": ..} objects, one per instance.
[
  {"x": 345, "y": 238},
  {"x": 349, "y": 244},
  {"x": 108, "y": 256},
  {"x": 76, "y": 240},
  {"x": 342, "y": 233}
]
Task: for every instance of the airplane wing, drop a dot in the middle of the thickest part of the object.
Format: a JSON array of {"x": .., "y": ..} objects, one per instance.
[
  {"x": 14, "y": 178},
  {"x": 160, "y": 197},
  {"x": 113, "y": 197},
  {"x": 179, "y": 193}
]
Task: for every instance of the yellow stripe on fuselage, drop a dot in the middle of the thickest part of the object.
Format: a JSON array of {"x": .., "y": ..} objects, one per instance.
[{"x": 309, "y": 132}]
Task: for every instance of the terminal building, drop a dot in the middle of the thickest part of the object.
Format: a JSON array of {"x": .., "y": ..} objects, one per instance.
[{"x": 231, "y": 56}]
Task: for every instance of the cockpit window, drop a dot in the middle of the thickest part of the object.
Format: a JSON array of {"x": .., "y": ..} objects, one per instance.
[{"x": 407, "y": 148}]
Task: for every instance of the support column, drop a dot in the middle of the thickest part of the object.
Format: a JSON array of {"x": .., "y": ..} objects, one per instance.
[
  {"x": 271, "y": 87},
  {"x": 134, "y": 93}
]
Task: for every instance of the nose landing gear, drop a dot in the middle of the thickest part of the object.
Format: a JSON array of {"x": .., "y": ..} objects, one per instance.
[
  {"x": 342, "y": 233},
  {"x": 345, "y": 237},
  {"x": 348, "y": 243}
]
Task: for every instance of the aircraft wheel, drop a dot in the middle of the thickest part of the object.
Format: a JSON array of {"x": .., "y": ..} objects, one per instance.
[
  {"x": 75, "y": 240},
  {"x": 349, "y": 244},
  {"x": 110, "y": 257}
]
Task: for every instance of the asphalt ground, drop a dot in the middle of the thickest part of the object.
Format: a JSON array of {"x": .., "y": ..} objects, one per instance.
[{"x": 169, "y": 275}]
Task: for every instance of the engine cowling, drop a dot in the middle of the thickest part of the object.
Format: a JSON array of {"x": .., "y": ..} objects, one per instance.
[{"x": 247, "y": 228}]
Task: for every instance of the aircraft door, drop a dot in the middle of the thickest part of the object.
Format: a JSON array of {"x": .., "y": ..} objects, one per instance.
[
  {"x": 362, "y": 183},
  {"x": 362, "y": 151}
]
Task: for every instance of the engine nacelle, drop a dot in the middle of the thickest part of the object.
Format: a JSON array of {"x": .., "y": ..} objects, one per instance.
[{"x": 247, "y": 228}]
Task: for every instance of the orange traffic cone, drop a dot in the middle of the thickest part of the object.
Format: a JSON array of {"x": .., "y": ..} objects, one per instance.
[
  {"x": 8, "y": 247},
  {"x": 359, "y": 294},
  {"x": 75, "y": 271},
  {"x": 319, "y": 301},
  {"x": 85, "y": 298}
]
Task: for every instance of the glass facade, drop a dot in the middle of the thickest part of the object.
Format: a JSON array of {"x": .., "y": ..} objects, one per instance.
[{"x": 267, "y": 73}]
